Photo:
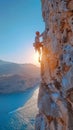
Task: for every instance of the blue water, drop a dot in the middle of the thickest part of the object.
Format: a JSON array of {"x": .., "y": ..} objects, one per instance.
[{"x": 9, "y": 103}]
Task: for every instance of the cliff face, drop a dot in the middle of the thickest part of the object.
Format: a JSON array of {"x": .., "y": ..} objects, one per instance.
[{"x": 55, "y": 100}]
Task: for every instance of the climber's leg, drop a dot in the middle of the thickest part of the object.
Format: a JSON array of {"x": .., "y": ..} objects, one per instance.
[{"x": 39, "y": 51}]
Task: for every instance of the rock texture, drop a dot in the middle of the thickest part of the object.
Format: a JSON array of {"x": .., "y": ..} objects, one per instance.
[{"x": 55, "y": 100}]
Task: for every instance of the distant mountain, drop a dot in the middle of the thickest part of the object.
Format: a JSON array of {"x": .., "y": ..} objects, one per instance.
[{"x": 17, "y": 77}]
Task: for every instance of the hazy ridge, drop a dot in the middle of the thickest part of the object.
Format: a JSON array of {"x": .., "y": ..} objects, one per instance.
[{"x": 17, "y": 77}]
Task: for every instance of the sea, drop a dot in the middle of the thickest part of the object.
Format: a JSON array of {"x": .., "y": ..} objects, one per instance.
[{"x": 18, "y": 110}]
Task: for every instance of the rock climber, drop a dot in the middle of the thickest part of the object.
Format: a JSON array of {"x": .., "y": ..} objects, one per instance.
[{"x": 38, "y": 45}]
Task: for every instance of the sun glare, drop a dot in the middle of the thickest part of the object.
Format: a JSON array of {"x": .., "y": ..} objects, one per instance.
[{"x": 36, "y": 58}]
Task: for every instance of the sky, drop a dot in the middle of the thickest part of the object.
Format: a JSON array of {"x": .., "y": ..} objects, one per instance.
[{"x": 19, "y": 20}]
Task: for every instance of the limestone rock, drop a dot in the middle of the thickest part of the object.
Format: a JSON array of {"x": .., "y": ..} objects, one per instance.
[{"x": 55, "y": 100}]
